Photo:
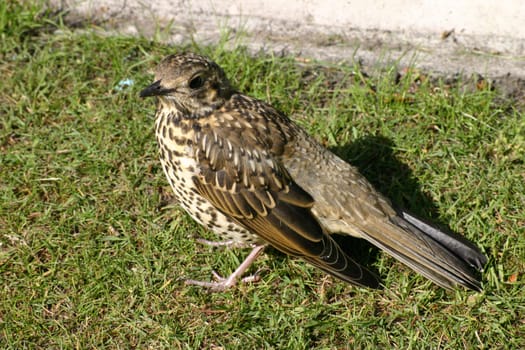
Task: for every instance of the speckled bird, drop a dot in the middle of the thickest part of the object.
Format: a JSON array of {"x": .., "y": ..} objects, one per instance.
[{"x": 247, "y": 172}]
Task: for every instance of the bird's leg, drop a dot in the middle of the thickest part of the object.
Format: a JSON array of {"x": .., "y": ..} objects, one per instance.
[
  {"x": 229, "y": 243},
  {"x": 224, "y": 283}
]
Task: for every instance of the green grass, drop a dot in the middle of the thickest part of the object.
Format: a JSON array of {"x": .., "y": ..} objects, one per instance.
[{"x": 93, "y": 254}]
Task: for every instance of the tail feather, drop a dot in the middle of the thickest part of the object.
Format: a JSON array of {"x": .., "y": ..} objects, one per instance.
[
  {"x": 459, "y": 245},
  {"x": 439, "y": 256}
]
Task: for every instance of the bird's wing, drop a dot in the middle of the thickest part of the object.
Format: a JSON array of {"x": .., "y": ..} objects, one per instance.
[{"x": 240, "y": 173}]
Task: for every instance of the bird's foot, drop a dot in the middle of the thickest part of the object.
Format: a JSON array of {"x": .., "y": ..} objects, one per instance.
[{"x": 222, "y": 283}]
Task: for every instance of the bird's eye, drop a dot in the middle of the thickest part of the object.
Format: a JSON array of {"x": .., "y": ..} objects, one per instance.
[{"x": 196, "y": 82}]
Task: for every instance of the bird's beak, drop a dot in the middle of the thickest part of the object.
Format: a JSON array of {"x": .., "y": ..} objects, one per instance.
[{"x": 154, "y": 89}]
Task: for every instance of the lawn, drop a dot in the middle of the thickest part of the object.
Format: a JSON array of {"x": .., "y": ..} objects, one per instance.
[{"x": 94, "y": 252}]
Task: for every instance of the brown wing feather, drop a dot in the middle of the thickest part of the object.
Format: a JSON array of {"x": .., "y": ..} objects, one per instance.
[{"x": 240, "y": 174}]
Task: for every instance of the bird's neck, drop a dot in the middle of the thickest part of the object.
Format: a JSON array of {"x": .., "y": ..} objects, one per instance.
[{"x": 180, "y": 111}]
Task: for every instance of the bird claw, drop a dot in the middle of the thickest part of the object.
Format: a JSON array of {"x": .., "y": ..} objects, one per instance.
[
  {"x": 222, "y": 283},
  {"x": 248, "y": 279}
]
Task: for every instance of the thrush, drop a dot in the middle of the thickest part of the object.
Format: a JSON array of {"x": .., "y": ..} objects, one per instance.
[{"x": 247, "y": 172}]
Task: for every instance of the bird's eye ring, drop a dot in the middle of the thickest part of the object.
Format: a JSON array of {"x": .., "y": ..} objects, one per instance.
[{"x": 196, "y": 82}]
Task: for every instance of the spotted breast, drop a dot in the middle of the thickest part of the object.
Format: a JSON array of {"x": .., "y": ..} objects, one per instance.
[{"x": 176, "y": 138}]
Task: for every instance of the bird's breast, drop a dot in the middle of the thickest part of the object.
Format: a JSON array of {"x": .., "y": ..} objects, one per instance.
[{"x": 176, "y": 140}]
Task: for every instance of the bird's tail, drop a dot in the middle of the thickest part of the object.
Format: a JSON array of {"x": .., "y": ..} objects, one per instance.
[{"x": 445, "y": 258}]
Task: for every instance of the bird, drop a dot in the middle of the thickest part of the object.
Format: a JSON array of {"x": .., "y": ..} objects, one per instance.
[{"x": 247, "y": 172}]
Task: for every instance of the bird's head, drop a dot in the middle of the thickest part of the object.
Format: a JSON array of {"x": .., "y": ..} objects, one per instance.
[{"x": 190, "y": 83}]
